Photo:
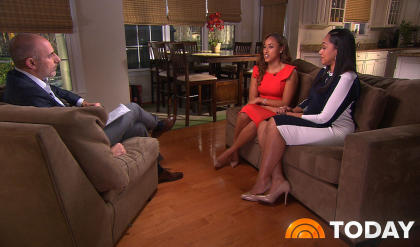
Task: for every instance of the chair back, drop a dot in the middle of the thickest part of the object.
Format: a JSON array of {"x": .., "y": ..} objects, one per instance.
[
  {"x": 178, "y": 59},
  {"x": 160, "y": 57},
  {"x": 190, "y": 46},
  {"x": 242, "y": 47},
  {"x": 258, "y": 47}
]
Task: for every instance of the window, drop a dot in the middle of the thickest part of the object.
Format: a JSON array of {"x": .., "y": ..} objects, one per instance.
[
  {"x": 58, "y": 41},
  {"x": 227, "y": 36},
  {"x": 187, "y": 33},
  {"x": 137, "y": 38}
]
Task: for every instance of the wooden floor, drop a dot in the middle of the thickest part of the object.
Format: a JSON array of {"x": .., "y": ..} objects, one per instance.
[{"x": 205, "y": 209}]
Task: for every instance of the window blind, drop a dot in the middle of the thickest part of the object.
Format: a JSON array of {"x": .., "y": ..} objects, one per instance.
[
  {"x": 266, "y": 3},
  {"x": 229, "y": 9},
  {"x": 188, "y": 12},
  {"x": 357, "y": 11},
  {"x": 42, "y": 16},
  {"x": 145, "y": 12}
]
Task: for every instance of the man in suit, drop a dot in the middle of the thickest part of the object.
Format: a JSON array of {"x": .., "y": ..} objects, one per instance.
[{"x": 35, "y": 61}]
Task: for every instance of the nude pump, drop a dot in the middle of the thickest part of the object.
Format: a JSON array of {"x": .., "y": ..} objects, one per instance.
[{"x": 272, "y": 197}]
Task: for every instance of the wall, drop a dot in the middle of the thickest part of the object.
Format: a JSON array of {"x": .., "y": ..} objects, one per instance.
[{"x": 99, "y": 66}]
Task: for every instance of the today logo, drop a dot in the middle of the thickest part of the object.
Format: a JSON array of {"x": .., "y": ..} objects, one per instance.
[
  {"x": 390, "y": 229},
  {"x": 308, "y": 228}
]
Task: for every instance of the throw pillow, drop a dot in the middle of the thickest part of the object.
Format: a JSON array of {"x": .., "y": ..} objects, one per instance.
[
  {"x": 305, "y": 84},
  {"x": 370, "y": 107}
]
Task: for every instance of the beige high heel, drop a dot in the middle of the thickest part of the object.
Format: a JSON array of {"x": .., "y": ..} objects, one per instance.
[
  {"x": 251, "y": 197},
  {"x": 272, "y": 197},
  {"x": 254, "y": 197}
]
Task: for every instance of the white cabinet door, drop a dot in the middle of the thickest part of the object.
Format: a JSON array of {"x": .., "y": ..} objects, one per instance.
[
  {"x": 386, "y": 13},
  {"x": 316, "y": 12},
  {"x": 360, "y": 68},
  {"x": 379, "y": 68},
  {"x": 411, "y": 11},
  {"x": 369, "y": 67},
  {"x": 371, "y": 63}
]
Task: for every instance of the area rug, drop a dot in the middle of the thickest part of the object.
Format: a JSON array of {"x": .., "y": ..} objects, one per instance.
[{"x": 180, "y": 118}]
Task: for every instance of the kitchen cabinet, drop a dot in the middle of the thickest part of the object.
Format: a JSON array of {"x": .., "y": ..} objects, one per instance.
[
  {"x": 337, "y": 12},
  {"x": 371, "y": 63},
  {"x": 312, "y": 57},
  {"x": 323, "y": 12},
  {"x": 316, "y": 12},
  {"x": 410, "y": 11},
  {"x": 386, "y": 13}
]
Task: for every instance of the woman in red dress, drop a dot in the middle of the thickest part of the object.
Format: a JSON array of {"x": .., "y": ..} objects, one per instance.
[{"x": 273, "y": 85}]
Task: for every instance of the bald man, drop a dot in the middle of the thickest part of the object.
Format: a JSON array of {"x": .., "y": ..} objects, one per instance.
[{"x": 35, "y": 61}]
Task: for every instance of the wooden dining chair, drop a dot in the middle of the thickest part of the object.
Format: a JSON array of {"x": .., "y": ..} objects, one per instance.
[
  {"x": 153, "y": 73},
  {"x": 187, "y": 80},
  {"x": 198, "y": 67},
  {"x": 242, "y": 47},
  {"x": 190, "y": 46},
  {"x": 231, "y": 70},
  {"x": 162, "y": 72}
]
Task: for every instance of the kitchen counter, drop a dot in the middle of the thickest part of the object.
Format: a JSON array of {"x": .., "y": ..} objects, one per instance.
[
  {"x": 408, "y": 54},
  {"x": 363, "y": 48}
]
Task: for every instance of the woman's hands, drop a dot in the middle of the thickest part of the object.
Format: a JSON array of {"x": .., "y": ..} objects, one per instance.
[
  {"x": 257, "y": 101},
  {"x": 285, "y": 110}
]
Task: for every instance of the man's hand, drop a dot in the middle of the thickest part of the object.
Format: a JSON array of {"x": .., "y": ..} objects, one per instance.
[
  {"x": 85, "y": 104},
  {"x": 118, "y": 149}
]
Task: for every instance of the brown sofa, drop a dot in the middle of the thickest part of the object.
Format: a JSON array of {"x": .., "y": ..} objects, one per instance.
[
  {"x": 375, "y": 175},
  {"x": 60, "y": 184}
]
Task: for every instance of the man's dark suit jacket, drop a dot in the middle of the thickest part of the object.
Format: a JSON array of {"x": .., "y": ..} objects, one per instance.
[{"x": 22, "y": 90}]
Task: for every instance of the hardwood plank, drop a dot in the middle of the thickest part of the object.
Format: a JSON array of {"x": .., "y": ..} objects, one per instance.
[{"x": 205, "y": 208}]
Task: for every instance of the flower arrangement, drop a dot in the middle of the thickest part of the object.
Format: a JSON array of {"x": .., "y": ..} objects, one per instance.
[{"x": 214, "y": 23}]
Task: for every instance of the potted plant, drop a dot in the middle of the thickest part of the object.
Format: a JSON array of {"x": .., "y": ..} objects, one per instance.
[
  {"x": 5, "y": 66},
  {"x": 407, "y": 30},
  {"x": 214, "y": 24}
]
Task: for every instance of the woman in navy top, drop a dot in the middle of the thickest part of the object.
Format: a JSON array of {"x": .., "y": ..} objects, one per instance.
[{"x": 324, "y": 118}]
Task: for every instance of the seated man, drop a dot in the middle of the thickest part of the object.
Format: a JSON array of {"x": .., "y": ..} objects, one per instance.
[{"x": 35, "y": 61}]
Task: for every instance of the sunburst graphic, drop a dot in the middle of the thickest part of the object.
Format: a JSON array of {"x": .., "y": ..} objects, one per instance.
[{"x": 305, "y": 228}]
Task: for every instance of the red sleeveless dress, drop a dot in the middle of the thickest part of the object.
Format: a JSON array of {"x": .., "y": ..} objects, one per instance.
[{"x": 271, "y": 87}]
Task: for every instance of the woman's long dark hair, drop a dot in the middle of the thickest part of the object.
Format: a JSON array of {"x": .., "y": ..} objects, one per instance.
[
  {"x": 343, "y": 41},
  {"x": 284, "y": 57}
]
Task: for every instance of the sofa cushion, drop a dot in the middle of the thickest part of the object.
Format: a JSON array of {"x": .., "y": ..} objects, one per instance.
[
  {"x": 376, "y": 81},
  {"x": 80, "y": 128},
  {"x": 231, "y": 114},
  {"x": 321, "y": 162},
  {"x": 370, "y": 107},
  {"x": 305, "y": 67},
  {"x": 403, "y": 104},
  {"x": 142, "y": 153},
  {"x": 305, "y": 84}
]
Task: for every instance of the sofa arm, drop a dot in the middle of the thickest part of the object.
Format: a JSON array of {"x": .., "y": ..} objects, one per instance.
[
  {"x": 47, "y": 200},
  {"x": 379, "y": 176}
]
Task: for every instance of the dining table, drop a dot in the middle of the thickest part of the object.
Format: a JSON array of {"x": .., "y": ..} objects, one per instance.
[{"x": 227, "y": 90}]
